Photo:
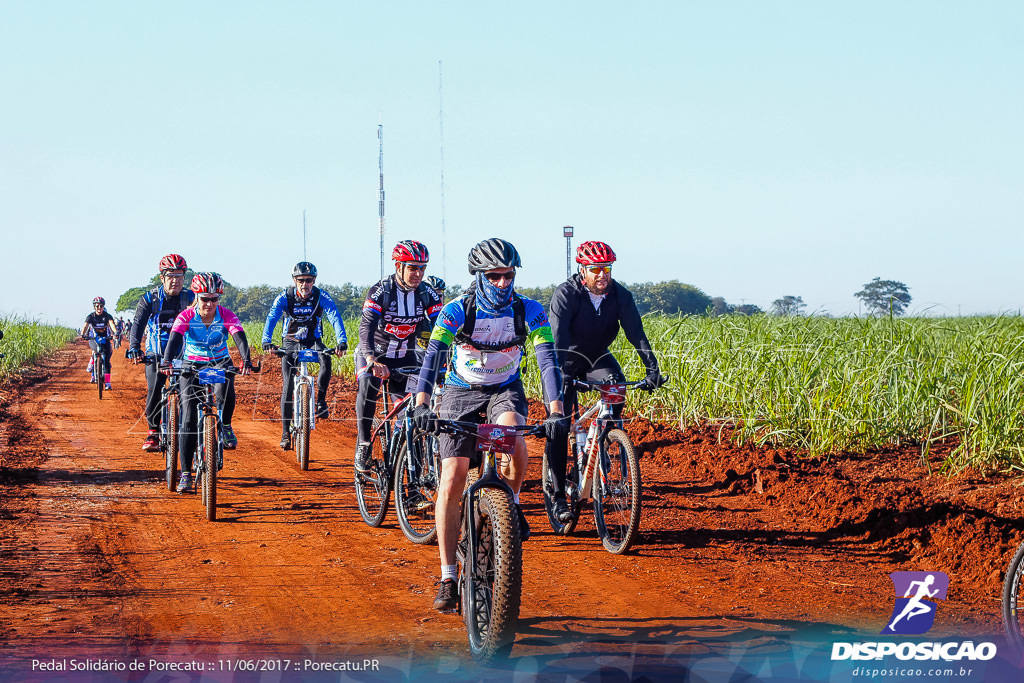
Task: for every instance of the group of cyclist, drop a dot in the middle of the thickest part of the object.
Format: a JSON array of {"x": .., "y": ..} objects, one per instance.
[{"x": 474, "y": 345}]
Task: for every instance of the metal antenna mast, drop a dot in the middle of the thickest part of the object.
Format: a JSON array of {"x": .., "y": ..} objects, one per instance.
[
  {"x": 380, "y": 224},
  {"x": 444, "y": 243},
  {"x": 303, "y": 234}
]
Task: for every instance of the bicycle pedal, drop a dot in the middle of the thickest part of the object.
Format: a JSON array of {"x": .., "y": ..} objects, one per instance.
[{"x": 423, "y": 505}]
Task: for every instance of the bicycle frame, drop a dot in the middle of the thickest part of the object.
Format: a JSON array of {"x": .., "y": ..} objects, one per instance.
[
  {"x": 610, "y": 394},
  {"x": 490, "y": 478},
  {"x": 304, "y": 357}
]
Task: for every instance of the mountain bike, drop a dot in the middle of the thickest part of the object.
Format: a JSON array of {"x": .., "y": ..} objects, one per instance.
[
  {"x": 209, "y": 457},
  {"x": 1013, "y": 600},
  {"x": 170, "y": 418},
  {"x": 387, "y": 434},
  {"x": 602, "y": 462},
  {"x": 489, "y": 552},
  {"x": 417, "y": 479},
  {"x": 303, "y": 400},
  {"x": 100, "y": 369}
]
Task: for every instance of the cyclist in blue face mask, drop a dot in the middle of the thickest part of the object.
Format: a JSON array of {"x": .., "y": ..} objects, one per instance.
[{"x": 488, "y": 327}]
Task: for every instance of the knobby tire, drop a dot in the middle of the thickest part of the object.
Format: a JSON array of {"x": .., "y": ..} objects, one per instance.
[
  {"x": 302, "y": 444},
  {"x": 491, "y": 599},
  {"x": 415, "y": 501},
  {"x": 572, "y": 496},
  {"x": 617, "y": 494},
  {"x": 211, "y": 441},
  {"x": 171, "y": 441},
  {"x": 373, "y": 489},
  {"x": 1013, "y": 600}
]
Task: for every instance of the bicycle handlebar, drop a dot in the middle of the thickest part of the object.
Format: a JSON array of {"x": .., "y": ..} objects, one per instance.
[
  {"x": 641, "y": 384},
  {"x": 281, "y": 353},
  {"x": 471, "y": 428}
]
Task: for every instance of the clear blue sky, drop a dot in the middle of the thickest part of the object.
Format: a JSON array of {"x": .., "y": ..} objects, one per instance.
[{"x": 752, "y": 149}]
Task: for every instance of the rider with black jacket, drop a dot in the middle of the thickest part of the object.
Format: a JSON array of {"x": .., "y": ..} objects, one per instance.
[{"x": 586, "y": 313}]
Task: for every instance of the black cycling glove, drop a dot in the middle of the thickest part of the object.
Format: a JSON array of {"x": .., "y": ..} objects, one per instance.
[
  {"x": 556, "y": 427},
  {"x": 424, "y": 419}
]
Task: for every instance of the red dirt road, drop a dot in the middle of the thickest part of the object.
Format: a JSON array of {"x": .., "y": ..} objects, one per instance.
[{"x": 742, "y": 551}]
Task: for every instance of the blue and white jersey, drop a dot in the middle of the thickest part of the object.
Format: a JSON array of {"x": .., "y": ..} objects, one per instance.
[{"x": 303, "y": 318}]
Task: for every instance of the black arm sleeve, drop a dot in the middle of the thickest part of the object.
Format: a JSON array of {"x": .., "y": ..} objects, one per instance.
[
  {"x": 560, "y": 314},
  {"x": 633, "y": 327},
  {"x": 242, "y": 343}
]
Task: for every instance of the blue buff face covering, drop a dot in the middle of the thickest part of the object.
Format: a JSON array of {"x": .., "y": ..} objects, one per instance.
[{"x": 490, "y": 298}]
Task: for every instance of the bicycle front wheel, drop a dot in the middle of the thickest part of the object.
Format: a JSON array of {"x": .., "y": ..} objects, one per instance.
[
  {"x": 373, "y": 487},
  {"x": 302, "y": 438},
  {"x": 1013, "y": 600},
  {"x": 211, "y": 442},
  {"x": 100, "y": 374},
  {"x": 491, "y": 595},
  {"x": 171, "y": 440},
  {"x": 617, "y": 493},
  {"x": 416, "y": 491}
]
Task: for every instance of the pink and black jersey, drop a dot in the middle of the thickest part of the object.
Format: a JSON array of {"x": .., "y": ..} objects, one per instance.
[{"x": 196, "y": 334}]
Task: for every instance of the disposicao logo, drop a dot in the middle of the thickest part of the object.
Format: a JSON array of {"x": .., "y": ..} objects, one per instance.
[
  {"x": 914, "y": 611},
  {"x": 914, "y": 614}
]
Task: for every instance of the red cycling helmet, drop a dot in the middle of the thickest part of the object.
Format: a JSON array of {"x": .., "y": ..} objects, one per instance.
[
  {"x": 594, "y": 252},
  {"x": 207, "y": 283},
  {"x": 99, "y": 300},
  {"x": 172, "y": 262},
  {"x": 410, "y": 250}
]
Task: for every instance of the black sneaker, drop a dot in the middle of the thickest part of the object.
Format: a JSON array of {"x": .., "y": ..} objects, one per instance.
[
  {"x": 447, "y": 599},
  {"x": 360, "y": 460},
  {"x": 286, "y": 442},
  {"x": 524, "y": 526},
  {"x": 322, "y": 411},
  {"x": 562, "y": 512}
]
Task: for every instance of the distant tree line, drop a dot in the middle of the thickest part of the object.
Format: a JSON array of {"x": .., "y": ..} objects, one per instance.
[{"x": 881, "y": 297}]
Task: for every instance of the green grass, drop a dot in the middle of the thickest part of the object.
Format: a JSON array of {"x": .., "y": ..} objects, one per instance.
[
  {"x": 828, "y": 385},
  {"x": 825, "y": 385},
  {"x": 27, "y": 341}
]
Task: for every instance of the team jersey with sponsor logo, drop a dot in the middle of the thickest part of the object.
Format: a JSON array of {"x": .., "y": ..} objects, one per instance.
[
  {"x": 474, "y": 367},
  {"x": 197, "y": 333},
  {"x": 391, "y": 317},
  {"x": 303, "y": 318}
]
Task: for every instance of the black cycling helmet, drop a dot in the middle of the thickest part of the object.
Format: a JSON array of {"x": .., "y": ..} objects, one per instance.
[
  {"x": 491, "y": 254},
  {"x": 304, "y": 268},
  {"x": 436, "y": 283}
]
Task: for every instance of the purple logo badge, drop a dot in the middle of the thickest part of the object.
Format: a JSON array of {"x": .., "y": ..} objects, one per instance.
[{"x": 916, "y": 593}]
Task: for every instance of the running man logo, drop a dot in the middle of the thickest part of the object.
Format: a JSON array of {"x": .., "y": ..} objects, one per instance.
[{"x": 916, "y": 592}]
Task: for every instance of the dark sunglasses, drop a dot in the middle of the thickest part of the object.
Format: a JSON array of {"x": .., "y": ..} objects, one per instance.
[
  {"x": 209, "y": 299},
  {"x": 416, "y": 266},
  {"x": 305, "y": 280},
  {"x": 498, "y": 277}
]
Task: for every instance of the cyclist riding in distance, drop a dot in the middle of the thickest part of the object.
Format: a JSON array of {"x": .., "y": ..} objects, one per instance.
[
  {"x": 395, "y": 308},
  {"x": 102, "y": 325},
  {"x": 488, "y": 326},
  {"x": 303, "y": 307},
  {"x": 586, "y": 312},
  {"x": 427, "y": 326},
  {"x": 191, "y": 333},
  {"x": 155, "y": 314}
]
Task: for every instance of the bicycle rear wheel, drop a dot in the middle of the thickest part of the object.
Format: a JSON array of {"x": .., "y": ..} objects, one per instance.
[
  {"x": 98, "y": 369},
  {"x": 211, "y": 442},
  {"x": 491, "y": 596},
  {"x": 572, "y": 494},
  {"x": 1013, "y": 600},
  {"x": 617, "y": 492},
  {"x": 302, "y": 438},
  {"x": 171, "y": 440},
  {"x": 416, "y": 493},
  {"x": 373, "y": 488}
]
